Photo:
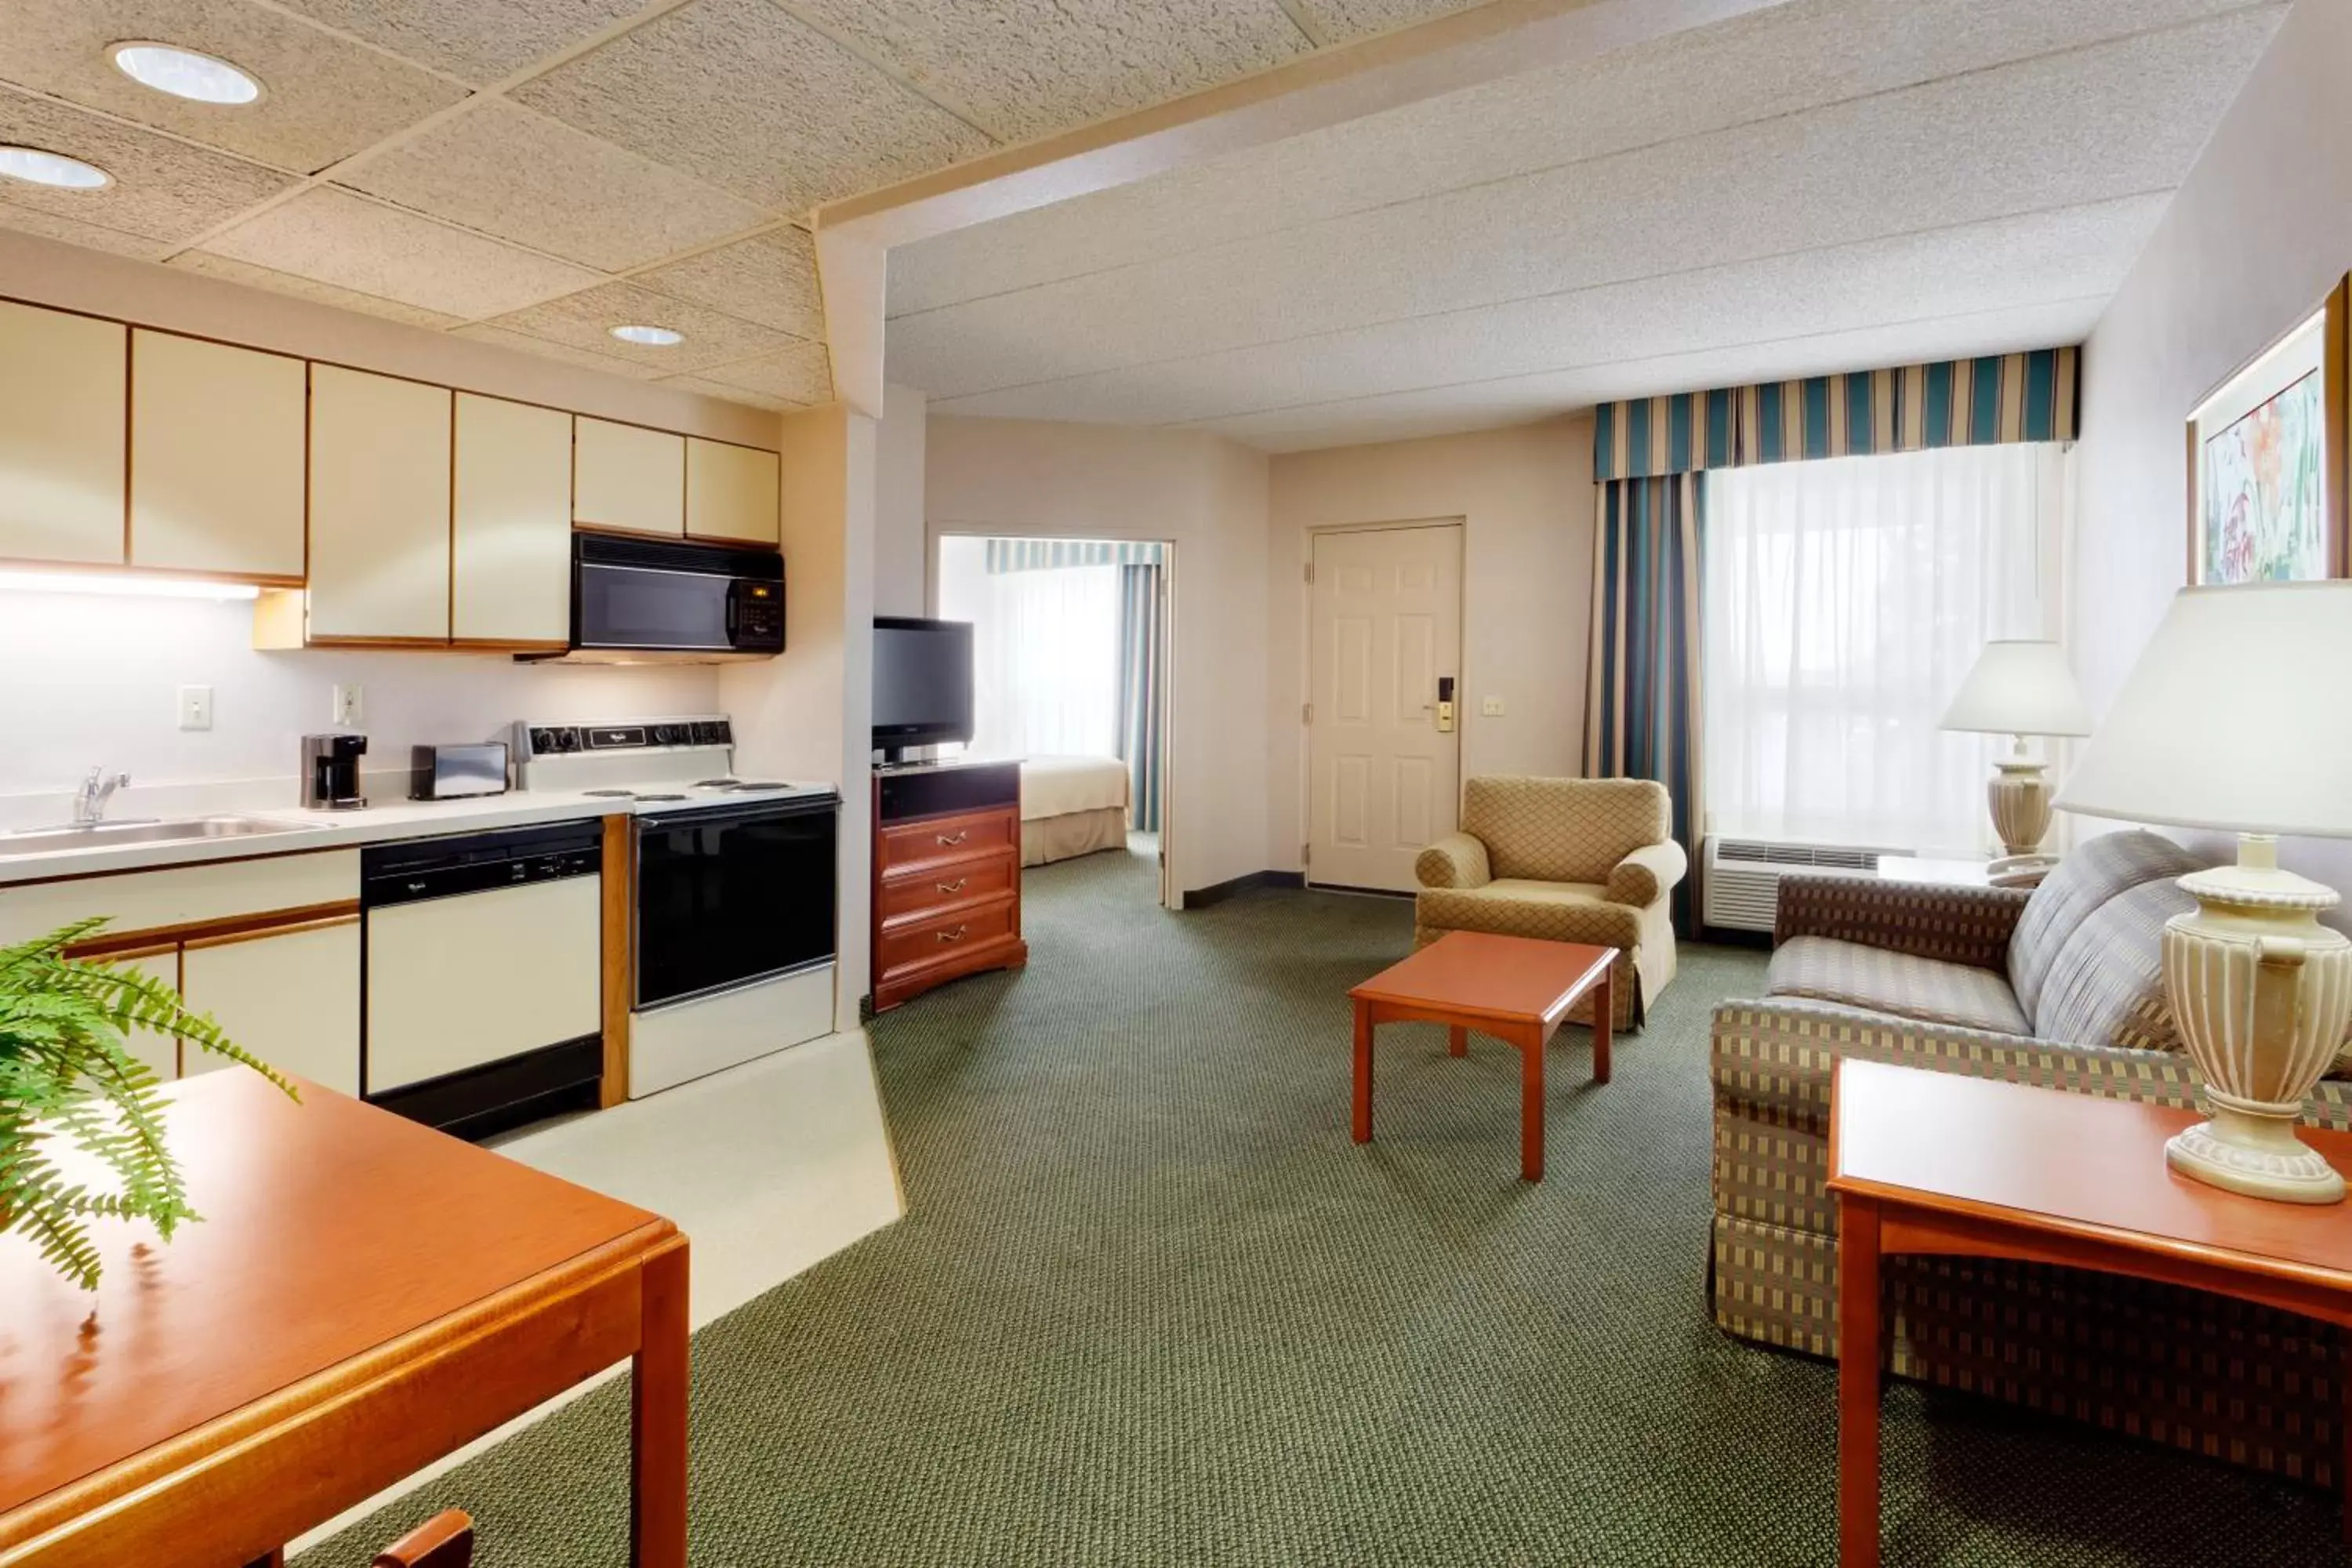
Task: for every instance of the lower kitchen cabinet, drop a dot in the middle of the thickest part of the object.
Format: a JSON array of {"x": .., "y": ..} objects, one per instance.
[
  {"x": 160, "y": 1052},
  {"x": 291, "y": 995}
]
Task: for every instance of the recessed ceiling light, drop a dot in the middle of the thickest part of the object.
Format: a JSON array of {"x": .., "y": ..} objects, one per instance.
[
  {"x": 37, "y": 167},
  {"x": 652, "y": 337},
  {"x": 184, "y": 73}
]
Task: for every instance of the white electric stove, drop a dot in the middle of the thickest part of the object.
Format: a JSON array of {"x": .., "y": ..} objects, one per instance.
[{"x": 733, "y": 936}]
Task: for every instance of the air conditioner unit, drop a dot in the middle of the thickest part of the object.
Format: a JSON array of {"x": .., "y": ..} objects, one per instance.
[{"x": 1743, "y": 874}]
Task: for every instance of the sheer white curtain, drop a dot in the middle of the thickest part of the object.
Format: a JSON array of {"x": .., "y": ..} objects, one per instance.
[
  {"x": 1044, "y": 653},
  {"x": 1843, "y": 601}
]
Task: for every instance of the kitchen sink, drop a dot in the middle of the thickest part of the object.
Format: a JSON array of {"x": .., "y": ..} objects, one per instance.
[{"x": 106, "y": 835}]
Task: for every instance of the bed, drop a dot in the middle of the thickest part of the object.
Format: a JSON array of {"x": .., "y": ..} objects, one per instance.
[{"x": 1071, "y": 806}]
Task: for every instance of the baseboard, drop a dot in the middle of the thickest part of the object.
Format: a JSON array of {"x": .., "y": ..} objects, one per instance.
[{"x": 1202, "y": 898}]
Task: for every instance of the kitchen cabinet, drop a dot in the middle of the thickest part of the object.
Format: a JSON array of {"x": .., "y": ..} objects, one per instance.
[
  {"x": 63, "y": 436},
  {"x": 216, "y": 459},
  {"x": 379, "y": 508},
  {"x": 510, "y": 561},
  {"x": 626, "y": 478},
  {"x": 291, "y": 995},
  {"x": 160, "y": 1052},
  {"x": 211, "y": 894},
  {"x": 730, "y": 492}
]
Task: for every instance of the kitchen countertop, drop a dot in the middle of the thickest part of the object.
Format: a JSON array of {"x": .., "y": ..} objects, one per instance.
[{"x": 316, "y": 830}]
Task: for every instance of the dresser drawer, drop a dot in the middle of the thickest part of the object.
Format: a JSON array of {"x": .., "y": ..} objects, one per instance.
[
  {"x": 920, "y": 891},
  {"x": 946, "y": 838},
  {"x": 945, "y": 937}
]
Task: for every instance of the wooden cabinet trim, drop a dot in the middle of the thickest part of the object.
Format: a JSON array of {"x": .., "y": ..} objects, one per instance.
[
  {"x": 175, "y": 866},
  {"x": 619, "y": 868},
  {"x": 265, "y": 927},
  {"x": 214, "y": 934}
]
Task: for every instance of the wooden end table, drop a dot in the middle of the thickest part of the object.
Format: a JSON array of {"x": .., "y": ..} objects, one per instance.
[
  {"x": 363, "y": 1296},
  {"x": 1512, "y": 987},
  {"x": 1925, "y": 1162}
]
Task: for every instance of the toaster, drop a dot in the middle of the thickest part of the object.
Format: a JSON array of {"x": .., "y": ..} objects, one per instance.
[{"x": 452, "y": 773}]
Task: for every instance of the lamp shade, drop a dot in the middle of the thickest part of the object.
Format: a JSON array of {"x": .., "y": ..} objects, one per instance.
[
  {"x": 2020, "y": 688},
  {"x": 2235, "y": 717}
]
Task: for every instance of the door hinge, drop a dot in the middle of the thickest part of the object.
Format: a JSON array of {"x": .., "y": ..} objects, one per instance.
[
  {"x": 1310, "y": 573},
  {"x": 1307, "y": 854},
  {"x": 1307, "y": 713}
]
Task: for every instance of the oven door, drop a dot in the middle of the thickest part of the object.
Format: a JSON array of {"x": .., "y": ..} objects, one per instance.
[{"x": 732, "y": 895}]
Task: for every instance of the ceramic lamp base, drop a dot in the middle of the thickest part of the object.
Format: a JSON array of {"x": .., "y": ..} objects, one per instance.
[
  {"x": 2263, "y": 993},
  {"x": 2020, "y": 795}
]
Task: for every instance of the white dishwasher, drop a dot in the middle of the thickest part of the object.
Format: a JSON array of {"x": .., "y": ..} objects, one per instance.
[{"x": 484, "y": 976}]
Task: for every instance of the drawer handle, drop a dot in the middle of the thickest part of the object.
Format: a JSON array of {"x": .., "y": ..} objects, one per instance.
[
  {"x": 955, "y": 935},
  {"x": 955, "y": 887},
  {"x": 950, "y": 840}
]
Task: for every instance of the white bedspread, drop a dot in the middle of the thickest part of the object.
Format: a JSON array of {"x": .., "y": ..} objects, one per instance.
[{"x": 1055, "y": 787}]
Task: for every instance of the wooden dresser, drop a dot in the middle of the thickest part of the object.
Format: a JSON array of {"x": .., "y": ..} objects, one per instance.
[{"x": 947, "y": 875}]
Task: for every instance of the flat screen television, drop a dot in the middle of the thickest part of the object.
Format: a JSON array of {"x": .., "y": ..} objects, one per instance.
[{"x": 922, "y": 683}]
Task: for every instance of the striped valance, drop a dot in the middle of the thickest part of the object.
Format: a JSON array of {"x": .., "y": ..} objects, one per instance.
[
  {"x": 1045, "y": 554},
  {"x": 1954, "y": 403}
]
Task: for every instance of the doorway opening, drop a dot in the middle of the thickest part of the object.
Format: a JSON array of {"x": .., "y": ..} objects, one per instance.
[{"x": 1071, "y": 675}]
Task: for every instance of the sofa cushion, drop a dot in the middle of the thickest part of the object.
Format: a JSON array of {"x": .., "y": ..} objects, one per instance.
[
  {"x": 1928, "y": 989},
  {"x": 2110, "y": 864},
  {"x": 1516, "y": 906},
  {"x": 1563, "y": 830},
  {"x": 2106, "y": 986}
]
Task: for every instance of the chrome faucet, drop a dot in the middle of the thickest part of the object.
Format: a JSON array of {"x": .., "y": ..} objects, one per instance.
[{"x": 90, "y": 800}]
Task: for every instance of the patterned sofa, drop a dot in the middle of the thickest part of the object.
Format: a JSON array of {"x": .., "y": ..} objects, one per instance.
[
  {"x": 2060, "y": 988},
  {"x": 1590, "y": 860}
]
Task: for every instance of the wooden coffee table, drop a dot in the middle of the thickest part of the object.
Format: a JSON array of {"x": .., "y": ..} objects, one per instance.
[
  {"x": 1512, "y": 987},
  {"x": 1926, "y": 1162}
]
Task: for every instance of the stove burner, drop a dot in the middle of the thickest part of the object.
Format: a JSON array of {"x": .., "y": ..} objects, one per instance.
[
  {"x": 716, "y": 784},
  {"x": 759, "y": 783},
  {"x": 611, "y": 794},
  {"x": 660, "y": 796}
]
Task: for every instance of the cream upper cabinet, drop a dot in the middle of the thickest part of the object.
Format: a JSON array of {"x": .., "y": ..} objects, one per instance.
[
  {"x": 731, "y": 491},
  {"x": 290, "y": 996},
  {"x": 217, "y": 458},
  {"x": 379, "y": 507},
  {"x": 63, "y": 436},
  {"x": 624, "y": 477},
  {"x": 511, "y": 559}
]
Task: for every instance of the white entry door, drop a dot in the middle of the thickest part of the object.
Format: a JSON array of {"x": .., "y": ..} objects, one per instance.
[{"x": 1385, "y": 626}]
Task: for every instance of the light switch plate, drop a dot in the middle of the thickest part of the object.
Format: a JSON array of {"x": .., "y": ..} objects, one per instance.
[
  {"x": 196, "y": 707},
  {"x": 349, "y": 707},
  {"x": 1491, "y": 706}
]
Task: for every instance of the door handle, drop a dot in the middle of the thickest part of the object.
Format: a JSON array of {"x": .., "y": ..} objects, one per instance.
[
  {"x": 950, "y": 840},
  {"x": 955, "y": 935},
  {"x": 955, "y": 887}
]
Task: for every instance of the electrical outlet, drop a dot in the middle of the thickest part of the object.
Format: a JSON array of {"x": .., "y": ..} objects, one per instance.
[
  {"x": 196, "y": 707},
  {"x": 349, "y": 708},
  {"x": 1491, "y": 706}
]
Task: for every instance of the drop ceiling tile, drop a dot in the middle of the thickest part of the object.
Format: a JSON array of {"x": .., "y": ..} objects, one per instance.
[
  {"x": 1024, "y": 68},
  {"x": 322, "y": 98},
  {"x": 756, "y": 103},
  {"x": 483, "y": 332},
  {"x": 73, "y": 231},
  {"x": 354, "y": 243},
  {"x": 1342, "y": 20},
  {"x": 770, "y": 278},
  {"x": 162, "y": 189},
  {"x": 310, "y": 289},
  {"x": 801, "y": 374},
  {"x": 709, "y": 388},
  {"x": 482, "y": 41},
  {"x": 521, "y": 176},
  {"x": 582, "y": 320}
]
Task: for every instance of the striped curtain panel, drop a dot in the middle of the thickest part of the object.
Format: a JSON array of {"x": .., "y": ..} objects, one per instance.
[
  {"x": 1003, "y": 555},
  {"x": 1140, "y": 691},
  {"x": 1641, "y": 694},
  {"x": 1953, "y": 403}
]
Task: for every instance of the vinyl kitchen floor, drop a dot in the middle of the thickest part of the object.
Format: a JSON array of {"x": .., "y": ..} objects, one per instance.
[{"x": 768, "y": 1167}]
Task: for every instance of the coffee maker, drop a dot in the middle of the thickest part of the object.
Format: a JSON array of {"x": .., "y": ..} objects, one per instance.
[{"x": 330, "y": 771}]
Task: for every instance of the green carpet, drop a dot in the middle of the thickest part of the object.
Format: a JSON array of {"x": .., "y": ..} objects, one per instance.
[{"x": 1149, "y": 1306}]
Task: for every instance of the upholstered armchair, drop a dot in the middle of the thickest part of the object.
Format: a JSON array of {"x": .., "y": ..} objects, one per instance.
[{"x": 1590, "y": 860}]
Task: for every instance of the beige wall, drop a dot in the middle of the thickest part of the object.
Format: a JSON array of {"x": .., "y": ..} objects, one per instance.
[
  {"x": 2255, "y": 239},
  {"x": 901, "y": 574},
  {"x": 1525, "y": 497},
  {"x": 1207, "y": 497},
  {"x": 42, "y": 272}
]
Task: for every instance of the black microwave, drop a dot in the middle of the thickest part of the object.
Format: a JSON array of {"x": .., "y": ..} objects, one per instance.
[{"x": 658, "y": 599}]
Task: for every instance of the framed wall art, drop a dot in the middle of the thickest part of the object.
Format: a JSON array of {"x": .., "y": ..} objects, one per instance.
[{"x": 2267, "y": 451}]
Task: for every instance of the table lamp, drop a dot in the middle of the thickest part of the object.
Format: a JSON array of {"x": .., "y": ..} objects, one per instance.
[
  {"x": 2020, "y": 688},
  {"x": 2225, "y": 723}
]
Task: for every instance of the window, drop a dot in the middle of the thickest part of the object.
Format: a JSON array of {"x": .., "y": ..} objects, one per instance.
[
  {"x": 1843, "y": 601},
  {"x": 1046, "y": 653}
]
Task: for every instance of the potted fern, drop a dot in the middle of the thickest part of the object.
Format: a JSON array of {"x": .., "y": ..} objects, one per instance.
[{"x": 67, "y": 1074}]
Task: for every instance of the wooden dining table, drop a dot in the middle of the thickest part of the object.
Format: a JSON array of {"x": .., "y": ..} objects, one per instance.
[{"x": 363, "y": 1296}]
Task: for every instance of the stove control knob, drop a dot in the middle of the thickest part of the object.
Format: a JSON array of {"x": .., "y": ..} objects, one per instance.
[
  {"x": 664, "y": 735},
  {"x": 541, "y": 743},
  {"x": 567, "y": 738}
]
